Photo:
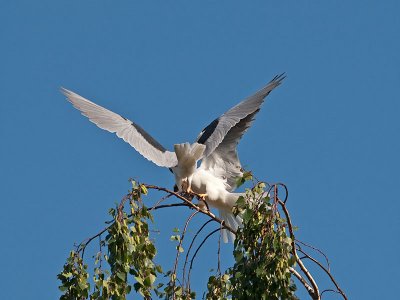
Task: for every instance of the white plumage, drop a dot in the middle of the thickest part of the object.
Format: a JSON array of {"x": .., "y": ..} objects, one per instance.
[{"x": 215, "y": 146}]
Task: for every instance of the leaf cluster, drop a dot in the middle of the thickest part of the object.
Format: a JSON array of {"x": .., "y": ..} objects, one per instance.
[
  {"x": 262, "y": 252},
  {"x": 130, "y": 253},
  {"x": 74, "y": 278}
]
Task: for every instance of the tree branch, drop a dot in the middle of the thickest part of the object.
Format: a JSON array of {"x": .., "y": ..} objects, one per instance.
[
  {"x": 326, "y": 271},
  {"x": 315, "y": 291},
  {"x": 191, "y": 205}
]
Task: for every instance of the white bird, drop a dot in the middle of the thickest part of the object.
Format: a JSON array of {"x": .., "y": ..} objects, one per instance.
[{"x": 215, "y": 179}]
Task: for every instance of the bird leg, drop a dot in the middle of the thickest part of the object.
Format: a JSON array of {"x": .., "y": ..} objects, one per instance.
[
  {"x": 203, "y": 205},
  {"x": 185, "y": 186}
]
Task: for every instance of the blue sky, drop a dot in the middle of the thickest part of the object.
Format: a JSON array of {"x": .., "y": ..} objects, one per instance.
[{"x": 330, "y": 132}]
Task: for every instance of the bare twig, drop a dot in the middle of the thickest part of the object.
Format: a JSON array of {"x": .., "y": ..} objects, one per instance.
[
  {"x": 318, "y": 250},
  {"x": 315, "y": 291},
  {"x": 197, "y": 250},
  {"x": 219, "y": 251},
  {"x": 190, "y": 248},
  {"x": 162, "y": 199},
  {"x": 191, "y": 205},
  {"x": 180, "y": 245},
  {"x": 326, "y": 271},
  {"x": 331, "y": 291},
  {"x": 167, "y": 205},
  {"x": 82, "y": 245},
  {"x": 100, "y": 251},
  {"x": 302, "y": 280}
]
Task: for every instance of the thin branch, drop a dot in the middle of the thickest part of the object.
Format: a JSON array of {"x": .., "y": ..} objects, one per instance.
[
  {"x": 318, "y": 250},
  {"x": 302, "y": 280},
  {"x": 180, "y": 245},
  {"x": 286, "y": 191},
  {"x": 182, "y": 237},
  {"x": 167, "y": 205},
  {"x": 100, "y": 251},
  {"x": 191, "y": 205},
  {"x": 315, "y": 293},
  {"x": 197, "y": 250},
  {"x": 329, "y": 290},
  {"x": 190, "y": 248},
  {"x": 219, "y": 250},
  {"x": 82, "y": 245},
  {"x": 326, "y": 271},
  {"x": 162, "y": 199}
]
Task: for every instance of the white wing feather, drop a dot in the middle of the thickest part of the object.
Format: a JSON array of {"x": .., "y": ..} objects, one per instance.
[
  {"x": 221, "y": 126},
  {"x": 125, "y": 129}
]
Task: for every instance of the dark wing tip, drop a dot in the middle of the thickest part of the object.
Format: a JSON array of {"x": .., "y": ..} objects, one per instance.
[
  {"x": 207, "y": 131},
  {"x": 278, "y": 78}
]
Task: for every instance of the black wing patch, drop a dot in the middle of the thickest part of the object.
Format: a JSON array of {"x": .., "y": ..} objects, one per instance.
[
  {"x": 208, "y": 131},
  {"x": 149, "y": 138}
]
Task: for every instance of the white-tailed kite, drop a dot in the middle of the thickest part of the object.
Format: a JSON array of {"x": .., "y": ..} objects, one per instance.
[{"x": 215, "y": 179}]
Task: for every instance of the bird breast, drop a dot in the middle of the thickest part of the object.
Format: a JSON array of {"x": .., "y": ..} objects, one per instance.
[{"x": 205, "y": 182}]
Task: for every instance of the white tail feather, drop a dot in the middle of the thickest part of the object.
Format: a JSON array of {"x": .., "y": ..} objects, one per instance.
[
  {"x": 189, "y": 154},
  {"x": 232, "y": 221}
]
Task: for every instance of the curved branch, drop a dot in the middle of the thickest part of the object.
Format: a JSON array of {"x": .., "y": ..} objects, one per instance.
[
  {"x": 167, "y": 205},
  {"x": 318, "y": 250},
  {"x": 315, "y": 292},
  {"x": 190, "y": 248},
  {"x": 302, "y": 280},
  {"x": 326, "y": 271},
  {"x": 191, "y": 205},
  {"x": 197, "y": 250},
  {"x": 180, "y": 245}
]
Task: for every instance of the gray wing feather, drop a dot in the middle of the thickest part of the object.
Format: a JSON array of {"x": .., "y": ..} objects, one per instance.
[
  {"x": 214, "y": 134},
  {"x": 224, "y": 160},
  {"x": 127, "y": 130}
]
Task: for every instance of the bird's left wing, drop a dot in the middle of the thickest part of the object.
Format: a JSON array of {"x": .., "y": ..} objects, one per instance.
[
  {"x": 129, "y": 131},
  {"x": 215, "y": 132}
]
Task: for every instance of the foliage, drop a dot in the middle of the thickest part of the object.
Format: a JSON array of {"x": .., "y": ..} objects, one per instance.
[
  {"x": 264, "y": 252},
  {"x": 74, "y": 278},
  {"x": 130, "y": 253}
]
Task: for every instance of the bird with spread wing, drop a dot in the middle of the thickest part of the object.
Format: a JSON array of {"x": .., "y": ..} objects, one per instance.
[{"x": 215, "y": 179}]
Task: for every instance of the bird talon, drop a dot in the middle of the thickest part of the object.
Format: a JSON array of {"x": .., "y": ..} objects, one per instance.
[{"x": 202, "y": 196}]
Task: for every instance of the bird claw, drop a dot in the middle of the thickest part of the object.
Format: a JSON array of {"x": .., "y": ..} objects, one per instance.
[{"x": 202, "y": 196}]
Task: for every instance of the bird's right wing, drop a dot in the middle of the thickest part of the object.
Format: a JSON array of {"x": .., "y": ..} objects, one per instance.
[
  {"x": 130, "y": 132},
  {"x": 215, "y": 132},
  {"x": 224, "y": 160}
]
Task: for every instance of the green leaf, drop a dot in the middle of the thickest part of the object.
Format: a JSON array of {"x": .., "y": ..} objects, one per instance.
[
  {"x": 63, "y": 288},
  {"x": 152, "y": 278},
  {"x": 121, "y": 275},
  {"x": 247, "y": 215},
  {"x": 143, "y": 189}
]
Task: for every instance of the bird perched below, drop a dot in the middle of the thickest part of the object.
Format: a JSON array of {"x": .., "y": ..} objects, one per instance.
[{"x": 215, "y": 179}]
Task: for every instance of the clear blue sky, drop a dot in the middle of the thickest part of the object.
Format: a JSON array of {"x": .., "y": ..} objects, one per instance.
[{"x": 330, "y": 132}]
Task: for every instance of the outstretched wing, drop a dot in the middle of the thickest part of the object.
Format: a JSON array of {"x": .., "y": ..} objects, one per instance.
[
  {"x": 216, "y": 131},
  {"x": 129, "y": 131},
  {"x": 224, "y": 160}
]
